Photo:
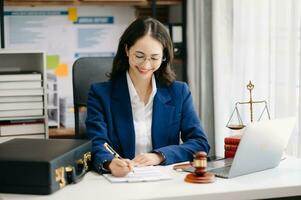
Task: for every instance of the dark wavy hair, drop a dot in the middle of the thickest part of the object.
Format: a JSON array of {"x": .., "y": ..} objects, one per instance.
[{"x": 137, "y": 29}]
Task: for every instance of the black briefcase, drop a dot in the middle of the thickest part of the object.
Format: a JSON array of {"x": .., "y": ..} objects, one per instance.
[{"x": 39, "y": 166}]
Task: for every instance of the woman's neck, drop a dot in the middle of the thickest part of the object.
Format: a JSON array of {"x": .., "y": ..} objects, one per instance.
[{"x": 143, "y": 87}]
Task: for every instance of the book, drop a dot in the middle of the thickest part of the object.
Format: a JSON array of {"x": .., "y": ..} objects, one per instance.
[
  {"x": 21, "y": 113},
  {"x": 20, "y": 84},
  {"x": 21, "y": 99},
  {"x": 21, "y": 106},
  {"x": 140, "y": 174},
  {"x": 21, "y": 92},
  {"x": 20, "y": 76},
  {"x": 230, "y": 147},
  {"x": 22, "y": 128},
  {"x": 235, "y": 139},
  {"x": 229, "y": 154}
]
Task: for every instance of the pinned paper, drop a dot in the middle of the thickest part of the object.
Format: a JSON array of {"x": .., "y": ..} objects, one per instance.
[
  {"x": 177, "y": 34},
  {"x": 53, "y": 61},
  {"x": 62, "y": 70},
  {"x": 72, "y": 14}
]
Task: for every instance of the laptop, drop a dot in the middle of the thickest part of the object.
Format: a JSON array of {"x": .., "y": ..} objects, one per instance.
[{"x": 261, "y": 147}]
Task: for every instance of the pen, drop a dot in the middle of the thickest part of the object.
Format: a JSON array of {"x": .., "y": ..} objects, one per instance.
[{"x": 111, "y": 150}]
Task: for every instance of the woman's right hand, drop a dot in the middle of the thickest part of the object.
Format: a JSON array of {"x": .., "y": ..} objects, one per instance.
[{"x": 121, "y": 167}]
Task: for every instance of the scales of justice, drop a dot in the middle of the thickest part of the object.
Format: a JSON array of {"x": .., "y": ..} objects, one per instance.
[
  {"x": 240, "y": 124},
  {"x": 200, "y": 175}
]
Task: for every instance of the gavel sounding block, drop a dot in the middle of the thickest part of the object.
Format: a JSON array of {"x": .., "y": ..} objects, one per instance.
[
  {"x": 207, "y": 177},
  {"x": 200, "y": 175}
]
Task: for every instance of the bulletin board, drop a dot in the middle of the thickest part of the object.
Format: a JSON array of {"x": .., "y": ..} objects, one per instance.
[{"x": 66, "y": 34}]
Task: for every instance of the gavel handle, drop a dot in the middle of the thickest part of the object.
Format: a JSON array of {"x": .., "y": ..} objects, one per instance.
[{"x": 182, "y": 166}]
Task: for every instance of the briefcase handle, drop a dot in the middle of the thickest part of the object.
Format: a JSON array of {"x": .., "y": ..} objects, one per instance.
[{"x": 75, "y": 174}]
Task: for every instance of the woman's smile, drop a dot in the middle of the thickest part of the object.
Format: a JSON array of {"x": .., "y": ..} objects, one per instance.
[{"x": 142, "y": 70}]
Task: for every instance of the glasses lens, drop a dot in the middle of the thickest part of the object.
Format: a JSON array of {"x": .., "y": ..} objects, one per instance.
[{"x": 139, "y": 59}]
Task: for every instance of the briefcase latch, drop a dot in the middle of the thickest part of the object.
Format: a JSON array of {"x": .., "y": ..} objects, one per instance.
[
  {"x": 84, "y": 162},
  {"x": 60, "y": 176}
]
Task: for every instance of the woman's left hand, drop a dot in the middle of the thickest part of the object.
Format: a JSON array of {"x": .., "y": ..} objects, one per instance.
[{"x": 146, "y": 159}]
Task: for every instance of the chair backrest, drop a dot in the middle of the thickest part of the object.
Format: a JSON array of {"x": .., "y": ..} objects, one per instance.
[{"x": 86, "y": 71}]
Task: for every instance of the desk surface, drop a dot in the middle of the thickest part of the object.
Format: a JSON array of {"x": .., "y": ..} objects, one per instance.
[{"x": 284, "y": 180}]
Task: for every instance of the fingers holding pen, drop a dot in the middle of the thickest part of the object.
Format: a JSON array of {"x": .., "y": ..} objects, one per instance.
[
  {"x": 130, "y": 164},
  {"x": 125, "y": 163},
  {"x": 120, "y": 167}
]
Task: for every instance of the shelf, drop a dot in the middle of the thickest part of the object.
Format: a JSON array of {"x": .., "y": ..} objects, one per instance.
[
  {"x": 61, "y": 133},
  {"x": 15, "y": 61},
  {"x": 52, "y": 123},
  {"x": 88, "y": 2}
]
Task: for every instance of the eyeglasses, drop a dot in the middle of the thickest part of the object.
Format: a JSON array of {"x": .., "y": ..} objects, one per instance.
[{"x": 141, "y": 58}]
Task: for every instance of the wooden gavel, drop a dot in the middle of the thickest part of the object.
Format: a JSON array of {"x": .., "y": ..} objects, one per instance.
[
  {"x": 200, "y": 163},
  {"x": 200, "y": 175}
]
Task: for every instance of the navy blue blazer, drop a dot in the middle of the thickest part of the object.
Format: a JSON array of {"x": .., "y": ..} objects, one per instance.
[{"x": 109, "y": 119}]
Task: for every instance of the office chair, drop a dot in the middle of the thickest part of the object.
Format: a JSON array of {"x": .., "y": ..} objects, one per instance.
[{"x": 85, "y": 71}]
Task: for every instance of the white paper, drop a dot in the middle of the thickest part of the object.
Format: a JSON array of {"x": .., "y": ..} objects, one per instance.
[{"x": 140, "y": 174}]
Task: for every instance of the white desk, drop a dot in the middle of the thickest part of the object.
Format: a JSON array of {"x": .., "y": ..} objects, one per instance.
[{"x": 284, "y": 180}]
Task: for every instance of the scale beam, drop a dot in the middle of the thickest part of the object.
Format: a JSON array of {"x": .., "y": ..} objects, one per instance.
[{"x": 240, "y": 123}]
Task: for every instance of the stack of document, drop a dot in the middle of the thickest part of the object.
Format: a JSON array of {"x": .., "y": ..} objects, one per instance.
[
  {"x": 140, "y": 174},
  {"x": 21, "y": 95},
  {"x": 67, "y": 112},
  {"x": 21, "y": 105}
]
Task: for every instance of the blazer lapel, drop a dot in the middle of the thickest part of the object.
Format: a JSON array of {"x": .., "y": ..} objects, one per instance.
[
  {"x": 162, "y": 115},
  {"x": 122, "y": 117}
]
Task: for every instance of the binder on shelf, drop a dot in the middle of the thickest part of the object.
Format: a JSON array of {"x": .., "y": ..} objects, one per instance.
[
  {"x": 21, "y": 99},
  {"x": 20, "y": 76},
  {"x": 21, "y": 92},
  {"x": 21, "y": 113},
  {"x": 22, "y": 128},
  {"x": 20, "y": 84},
  {"x": 21, "y": 106}
]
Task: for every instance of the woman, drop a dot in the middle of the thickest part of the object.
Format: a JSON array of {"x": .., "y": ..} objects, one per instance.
[{"x": 142, "y": 112}]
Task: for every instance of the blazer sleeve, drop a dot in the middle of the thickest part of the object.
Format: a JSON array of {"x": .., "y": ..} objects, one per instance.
[
  {"x": 96, "y": 128},
  {"x": 192, "y": 134}
]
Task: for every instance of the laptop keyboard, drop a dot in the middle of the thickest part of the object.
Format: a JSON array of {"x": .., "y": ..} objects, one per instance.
[
  {"x": 219, "y": 163},
  {"x": 220, "y": 168},
  {"x": 221, "y": 172}
]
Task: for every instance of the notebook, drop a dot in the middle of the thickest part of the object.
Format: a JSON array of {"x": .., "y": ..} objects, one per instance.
[
  {"x": 260, "y": 148},
  {"x": 140, "y": 174}
]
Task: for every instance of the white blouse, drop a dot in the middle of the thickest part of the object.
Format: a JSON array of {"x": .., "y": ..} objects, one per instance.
[{"x": 142, "y": 117}]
